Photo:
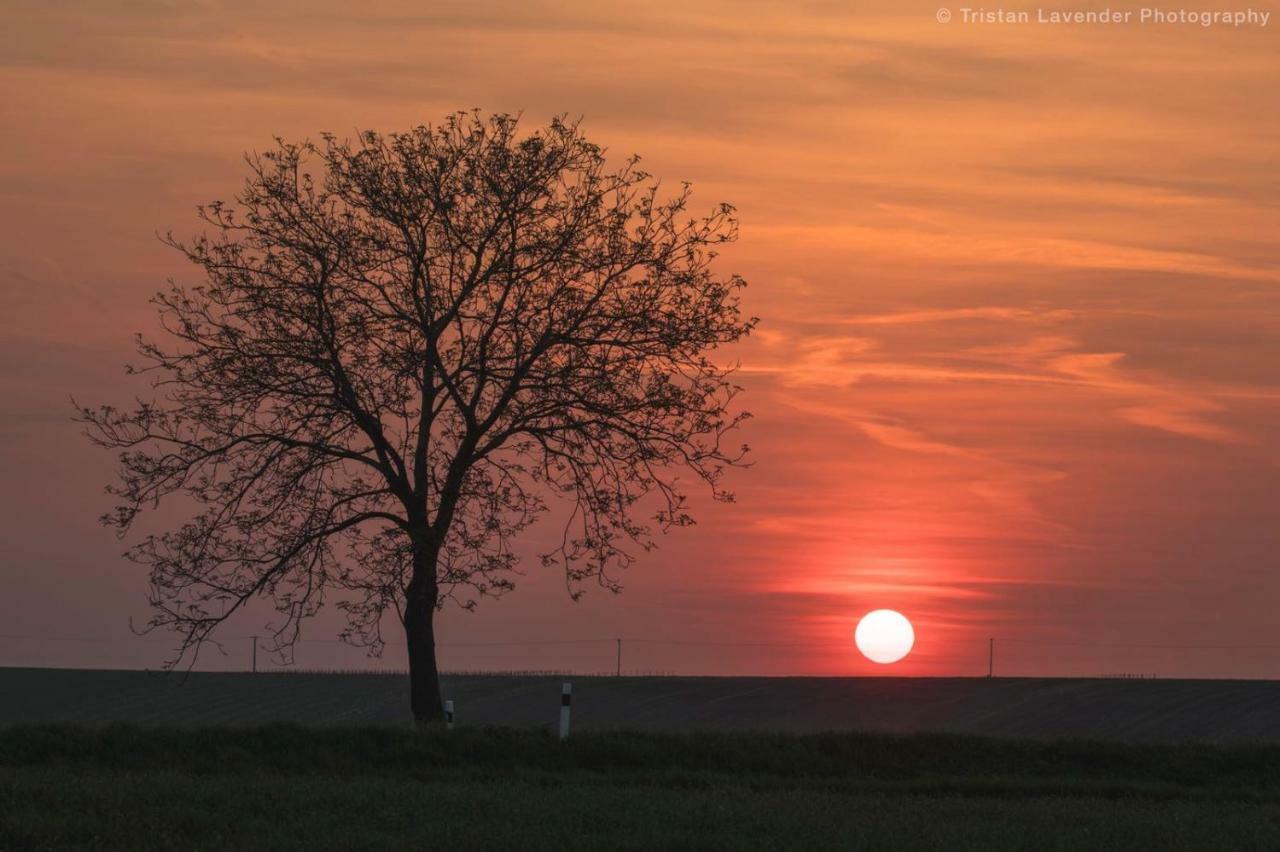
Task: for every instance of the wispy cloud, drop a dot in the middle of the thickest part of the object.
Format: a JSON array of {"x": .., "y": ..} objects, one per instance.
[{"x": 1153, "y": 403}]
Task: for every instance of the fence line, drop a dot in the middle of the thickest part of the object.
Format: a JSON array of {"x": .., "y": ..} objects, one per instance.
[
  {"x": 710, "y": 643},
  {"x": 1000, "y": 656}
]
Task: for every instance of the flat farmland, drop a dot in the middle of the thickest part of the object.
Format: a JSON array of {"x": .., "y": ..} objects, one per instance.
[
  {"x": 1212, "y": 711},
  {"x": 204, "y": 762},
  {"x": 390, "y": 787}
]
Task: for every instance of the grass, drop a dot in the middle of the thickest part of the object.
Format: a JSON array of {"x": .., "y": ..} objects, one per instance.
[{"x": 288, "y": 787}]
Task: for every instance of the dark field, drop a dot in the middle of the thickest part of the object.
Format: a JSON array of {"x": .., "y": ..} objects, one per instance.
[
  {"x": 654, "y": 763},
  {"x": 285, "y": 787},
  {"x": 1127, "y": 710}
]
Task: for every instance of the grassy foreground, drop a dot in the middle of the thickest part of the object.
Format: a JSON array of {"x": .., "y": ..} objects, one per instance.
[{"x": 286, "y": 787}]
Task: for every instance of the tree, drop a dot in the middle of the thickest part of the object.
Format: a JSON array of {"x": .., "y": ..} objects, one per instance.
[{"x": 405, "y": 350}]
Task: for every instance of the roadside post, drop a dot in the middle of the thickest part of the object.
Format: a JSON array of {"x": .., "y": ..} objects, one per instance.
[
  {"x": 448, "y": 715},
  {"x": 566, "y": 699}
]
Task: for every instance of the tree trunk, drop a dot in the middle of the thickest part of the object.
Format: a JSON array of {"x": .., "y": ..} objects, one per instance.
[{"x": 420, "y": 637}]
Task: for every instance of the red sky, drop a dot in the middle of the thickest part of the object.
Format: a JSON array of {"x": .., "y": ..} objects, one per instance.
[{"x": 1017, "y": 373}]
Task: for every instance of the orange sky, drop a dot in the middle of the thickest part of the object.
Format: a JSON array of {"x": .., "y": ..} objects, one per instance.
[{"x": 1017, "y": 374}]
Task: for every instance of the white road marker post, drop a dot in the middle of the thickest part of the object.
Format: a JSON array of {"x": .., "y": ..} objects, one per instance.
[
  {"x": 448, "y": 715},
  {"x": 566, "y": 699}
]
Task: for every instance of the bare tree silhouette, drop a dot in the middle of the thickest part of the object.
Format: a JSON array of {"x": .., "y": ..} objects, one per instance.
[{"x": 405, "y": 348}]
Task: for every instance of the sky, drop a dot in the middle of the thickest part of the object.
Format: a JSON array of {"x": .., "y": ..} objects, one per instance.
[{"x": 1017, "y": 373}]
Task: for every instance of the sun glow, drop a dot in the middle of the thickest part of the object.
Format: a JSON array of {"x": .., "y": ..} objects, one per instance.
[{"x": 884, "y": 636}]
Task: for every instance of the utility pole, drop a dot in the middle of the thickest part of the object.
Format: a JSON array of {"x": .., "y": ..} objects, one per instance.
[
  {"x": 991, "y": 656},
  {"x": 619, "y": 673},
  {"x": 255, "y": 653}
]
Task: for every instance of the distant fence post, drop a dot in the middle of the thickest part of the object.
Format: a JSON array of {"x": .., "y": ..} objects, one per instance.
[
  {"x": 448, "y": 715},
  {"x": 255, "y": 653},
  {"x": 566, "y": 699}
]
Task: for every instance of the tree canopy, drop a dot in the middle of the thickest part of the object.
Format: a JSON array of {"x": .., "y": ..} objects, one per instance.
[{"x": 404, "y": 350}]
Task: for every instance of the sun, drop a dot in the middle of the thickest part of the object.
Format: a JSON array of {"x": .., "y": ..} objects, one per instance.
[{"x": 884, "y": 636}]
